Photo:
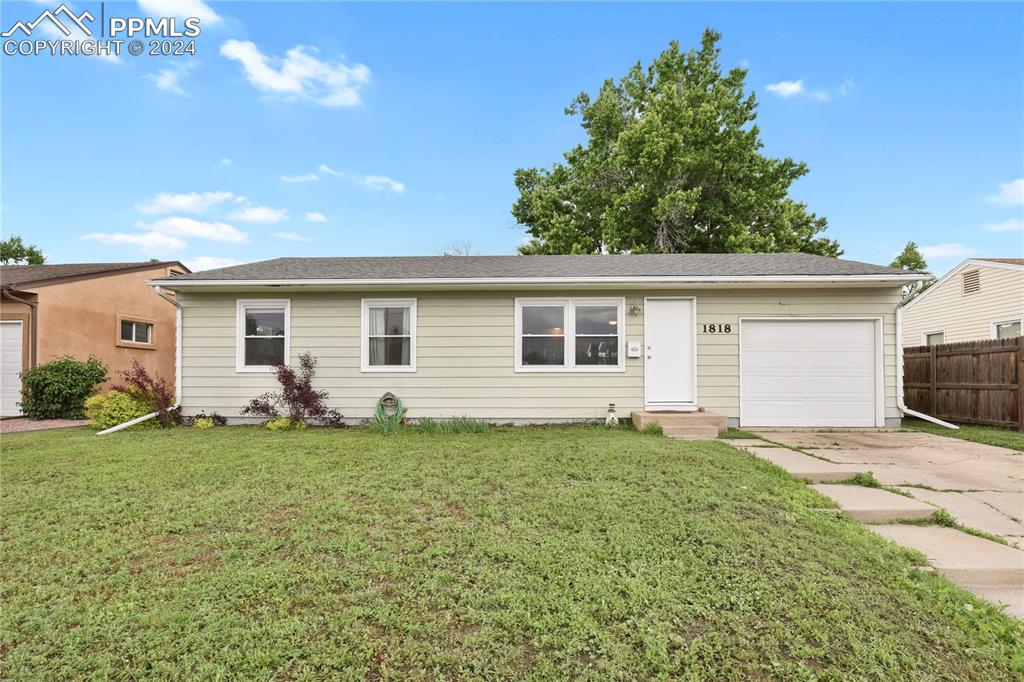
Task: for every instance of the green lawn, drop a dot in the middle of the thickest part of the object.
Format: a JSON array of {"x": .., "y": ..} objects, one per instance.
[
  {"x": 537, "y": 552},
  {"x": 990, "y": 435}
]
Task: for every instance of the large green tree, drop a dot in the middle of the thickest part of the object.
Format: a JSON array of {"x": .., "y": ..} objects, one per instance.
[
  {"x": 911, "y": 260},
  {"x": 14, "y": 251},
  {"x": 672, "y": 163}
]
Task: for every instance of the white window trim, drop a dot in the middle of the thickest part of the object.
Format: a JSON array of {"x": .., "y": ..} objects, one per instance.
[
  {"x": 992, "y": 327},
  {"x": 569, "y": 307},
  {"x": 240, "y": 307},
  {"x": 364, "y": 334},
  {"x": 926, "y": 334}
]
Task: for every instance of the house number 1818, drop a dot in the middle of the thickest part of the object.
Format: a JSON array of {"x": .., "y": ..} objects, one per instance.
[{"x": 717, "y": 328}]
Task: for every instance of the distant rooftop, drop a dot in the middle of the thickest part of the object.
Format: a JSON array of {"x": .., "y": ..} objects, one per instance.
[{"x": 11, "y": 275}]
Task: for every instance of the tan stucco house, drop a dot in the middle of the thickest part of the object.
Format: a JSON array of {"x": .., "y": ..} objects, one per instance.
[
  {"x": 764, "y": 339},
  {"x": 83, "y": 309},
  {"x": 982, "y": 298}
]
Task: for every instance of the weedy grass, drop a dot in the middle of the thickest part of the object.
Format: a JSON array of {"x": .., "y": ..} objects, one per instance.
[
  {"x": 738, "y": 434},
  {"x": 989, "y": 435},
  {"x": 538, "y": 553},
  {"x": 453, "y": 425}
]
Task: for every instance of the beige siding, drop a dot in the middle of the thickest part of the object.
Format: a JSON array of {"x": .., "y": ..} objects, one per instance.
[
  {"x": 970, "y": 317},
  {"x": 466, "y": 349}
]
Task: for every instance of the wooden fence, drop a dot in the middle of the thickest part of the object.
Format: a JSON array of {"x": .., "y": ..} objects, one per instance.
[{"x": 974, "y": 382}]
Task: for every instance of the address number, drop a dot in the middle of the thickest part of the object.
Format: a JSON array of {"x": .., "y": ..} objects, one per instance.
[{"x": 717, "y": 328}]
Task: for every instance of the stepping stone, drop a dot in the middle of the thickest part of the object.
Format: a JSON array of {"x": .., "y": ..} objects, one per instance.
[
  {"x": 805, "y": 467},
  {"x": 964, "y": 559},
  {"x": 873, "y": 505},
  {"x": 971, "y": 511}
]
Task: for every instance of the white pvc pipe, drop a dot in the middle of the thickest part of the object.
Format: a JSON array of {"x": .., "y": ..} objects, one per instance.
[{"x": 899, "y": 378}]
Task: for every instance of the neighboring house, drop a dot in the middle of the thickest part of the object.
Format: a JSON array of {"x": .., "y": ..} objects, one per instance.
[
  {"x": 83, "y": 309},
  {"x": 765, "y": 339},
  {"x": 982, "y": 298}
]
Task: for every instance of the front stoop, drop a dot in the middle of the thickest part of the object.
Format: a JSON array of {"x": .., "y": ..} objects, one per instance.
[{"x": 686, "y": 425}]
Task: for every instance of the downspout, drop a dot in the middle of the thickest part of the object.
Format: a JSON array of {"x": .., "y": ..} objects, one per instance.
[
  {"x": 899, "y": 378},
  {"x": 177, "y": 368},
  {"x": 32, "y": 317}
]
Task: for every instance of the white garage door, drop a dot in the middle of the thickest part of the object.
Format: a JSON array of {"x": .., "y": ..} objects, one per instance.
[
  {"x": 808, "y": 372},
  {"x": 10, "y": 366}
]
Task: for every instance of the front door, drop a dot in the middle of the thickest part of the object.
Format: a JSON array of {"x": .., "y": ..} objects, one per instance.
[{"x": 670, "y": 354}]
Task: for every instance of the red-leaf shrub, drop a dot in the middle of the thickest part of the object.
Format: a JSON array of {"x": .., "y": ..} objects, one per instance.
[
  {"x": 154, "y": 390},
  {"x": 297, "y": 399}
]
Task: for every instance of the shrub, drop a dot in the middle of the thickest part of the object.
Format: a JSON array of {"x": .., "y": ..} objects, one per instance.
[
  {"x": 284, "y": 424},
  {"x": 214, "y": 419},
  {"x": 116, "y": 407},
  {"x": 155, "y": 391},
  {"x": 57, "y": 389},
  {"x": 297, "y": 398},
  {"x": 453, "y": 425},
  {"x": 203, "y": 423}
]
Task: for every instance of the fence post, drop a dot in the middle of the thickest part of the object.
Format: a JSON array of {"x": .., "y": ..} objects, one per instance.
[{"x": 932, "y": 389}]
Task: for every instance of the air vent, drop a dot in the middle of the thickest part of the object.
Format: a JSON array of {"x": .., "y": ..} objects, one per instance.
[{"x": 970, "y": 282}]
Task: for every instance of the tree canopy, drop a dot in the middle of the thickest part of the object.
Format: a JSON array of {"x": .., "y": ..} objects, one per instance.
[
  {"x": 14, "y": 252},
  {"x": 910, "y": 259},
  {"x": 672, "y": 163}
]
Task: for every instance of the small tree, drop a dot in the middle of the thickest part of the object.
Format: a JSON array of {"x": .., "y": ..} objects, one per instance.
[
  {"x": 297, "y": 398},
  {"x": 911, "y": 260},
  {"x": 14, "y": 252}
]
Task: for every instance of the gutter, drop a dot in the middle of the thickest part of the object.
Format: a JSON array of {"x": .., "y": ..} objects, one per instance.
[
  {"x": 33, "y": 315},
  {"x": 902, "y": 406},
  {"x": 177, "y": 369}
]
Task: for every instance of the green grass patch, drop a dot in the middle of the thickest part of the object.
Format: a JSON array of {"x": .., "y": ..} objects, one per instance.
[
  {"x": 989, "y": 435},
  {"x": 544, "y": 553},
  {"x": 738, "y": 434},
  {"x": 453, "y": 425},
  {"x": 653, "y": 429}
]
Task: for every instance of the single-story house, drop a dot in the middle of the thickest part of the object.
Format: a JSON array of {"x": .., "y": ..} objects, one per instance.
[
  {"x": 784, "y": 339},
  {"x": 83, "y": 309},
  {"x": 982, "y": 298}
]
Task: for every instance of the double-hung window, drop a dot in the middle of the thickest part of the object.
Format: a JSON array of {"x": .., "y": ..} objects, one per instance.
[
  {"x": 388, "y": 335},
  {"x": 569, "y": 335},
  {"x": 263, "y": 331}
]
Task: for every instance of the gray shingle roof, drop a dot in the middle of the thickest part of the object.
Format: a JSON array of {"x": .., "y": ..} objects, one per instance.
[
  {"x": 547, "y": 267},
  {"x": 30, "y": 274}
]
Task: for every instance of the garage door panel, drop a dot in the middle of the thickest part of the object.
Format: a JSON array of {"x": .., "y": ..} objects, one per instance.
[
  {"x": 10, "y": 366},
  {"x": 802, "y": 372}
]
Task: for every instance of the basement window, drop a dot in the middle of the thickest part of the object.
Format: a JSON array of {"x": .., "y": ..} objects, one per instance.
[{"x": 970, "y": 282}]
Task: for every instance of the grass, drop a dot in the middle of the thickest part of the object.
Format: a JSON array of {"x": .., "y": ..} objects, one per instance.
[
  {"x": 738, "y": 434},
  {"x": 537, "y": 553},
  {"x": 989, "y": 435},
  {"x": 453, "y": 425}
]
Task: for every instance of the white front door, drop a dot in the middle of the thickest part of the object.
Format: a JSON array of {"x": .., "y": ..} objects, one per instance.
[
  {"x": 669, "y": 354},
  {"x": 10, "y": 367}
]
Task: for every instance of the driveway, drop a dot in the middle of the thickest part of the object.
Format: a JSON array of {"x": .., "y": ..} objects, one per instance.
[
  {"x": 24, "y": 424},
  {"x": 982, "y": 486}
]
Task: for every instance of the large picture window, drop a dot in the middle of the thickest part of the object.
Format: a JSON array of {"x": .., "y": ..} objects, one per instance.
[
  {"x": 389, "y": 335},
  {"x": 569, "y": 334},
  {"x": 262, "y": 335}
]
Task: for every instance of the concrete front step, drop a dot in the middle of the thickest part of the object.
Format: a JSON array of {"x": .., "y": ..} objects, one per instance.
[
  {"x": 642, "y": 418},
  {"x": 691, "y": 432},
  {"x": 873, "y": 505},
  {"x": 807, "y": 468}
]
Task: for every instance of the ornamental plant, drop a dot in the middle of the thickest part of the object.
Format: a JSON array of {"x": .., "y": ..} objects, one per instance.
[
  {"x": 155, "y": 391},
  {"x": 117, "y": 407},
  {"x": 297, "y": 401},
  {"x": 57, "y": 389}
]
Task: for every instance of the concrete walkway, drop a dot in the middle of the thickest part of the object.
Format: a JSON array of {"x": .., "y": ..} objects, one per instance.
[
  {"x": 981, "y": 486},
  {"x": 24, "y": 424}
]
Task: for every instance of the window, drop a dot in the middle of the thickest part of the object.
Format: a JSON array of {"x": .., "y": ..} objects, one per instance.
[
  {"x": 970, "y": 282},
  {"x": 262, "y": 335},
  {"x": 569, "y": 334},
  {"x": 1006, "y": 330},
  {"x": 934, "y": 338},
  {"x": 136, "y": 332},
  {"x": 388, "y": 335}
]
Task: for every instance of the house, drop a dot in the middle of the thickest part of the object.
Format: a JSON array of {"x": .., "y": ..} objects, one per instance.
[
  {"x": 83, "y": 309},
  {"x": 764, "y": 339},
  {"x": 982, "y": 298}
]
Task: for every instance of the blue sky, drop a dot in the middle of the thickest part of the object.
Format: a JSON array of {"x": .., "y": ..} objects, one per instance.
[{"x": 394, "y": 129}]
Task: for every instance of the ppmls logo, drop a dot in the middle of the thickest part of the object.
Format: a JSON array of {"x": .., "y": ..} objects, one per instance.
[{"x": 47, "y": 15}]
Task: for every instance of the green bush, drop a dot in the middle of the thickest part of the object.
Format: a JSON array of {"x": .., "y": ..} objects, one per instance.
[
  {"x": 117, "y": 407},
  {"x": 284, "y": 424},
  {"x": 203, "y": 423},
  {"x": 653, "y": 429},
  {"x": 57, "y": 389}
]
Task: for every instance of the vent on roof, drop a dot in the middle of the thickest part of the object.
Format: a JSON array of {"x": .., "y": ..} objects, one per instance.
[{"x": 970, "y": 282}]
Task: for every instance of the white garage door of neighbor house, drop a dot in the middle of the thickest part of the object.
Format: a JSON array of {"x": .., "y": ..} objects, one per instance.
[
  {"x": 808, "y": 372},
  {"x": 10, "y": 367}
]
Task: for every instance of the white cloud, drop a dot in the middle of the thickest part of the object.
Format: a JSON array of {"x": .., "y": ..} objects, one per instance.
[
  {"x": 380, "y": 182},
  {"x": 308, "y": 177},
  {"x": 225, "y": 162},
  {"x": 948, "y": 251},
  {"x": 315, "y": 217},
  {"x": 180, "y": 226},
  {"x": 260, "y": 214},
  {"x": 1008, "y": 225},
  {"x": 210, "y": 263},
  {"x": 194, "y": 202},
  {"x": 299, "y": 75},
  {"x": 182, "y": 9},
  {"x": 1011, "y": 192},
  {"x": 169, "y": 79},
  {"x": 327, "y": 169},
  {"x": 785, "y": 88},
  {"x": 150, "y": 243},
  {"x": 292, "y": 236}
]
